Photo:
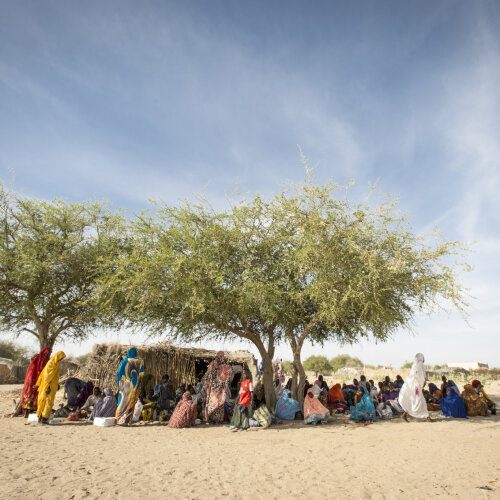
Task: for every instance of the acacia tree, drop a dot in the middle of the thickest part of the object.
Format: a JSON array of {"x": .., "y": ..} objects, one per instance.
[
  {"x": 301, "y": 267},
  {"x": 194, "y": 274},
  {"x": 51, "y": 254},
  {"x": 353, "y": 270}
]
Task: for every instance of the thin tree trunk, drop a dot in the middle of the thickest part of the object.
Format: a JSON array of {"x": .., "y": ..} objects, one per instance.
[{"x": 297, "y": 363}]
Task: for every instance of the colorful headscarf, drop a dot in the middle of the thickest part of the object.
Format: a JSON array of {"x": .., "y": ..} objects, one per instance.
[
  {"x": 432, "y": 387},
  {"x": 49, "y": 378},
  {"x": 131, "y": 354},
  {"x": 476, "y": 384},
  {"x": 334, "y": 394},
  {"x": 286, "y": 407},
  {"x": 312, "y": 406},
  {"x": 105, "y": 407},
  {"x": 37, "y": 364},
  {"x": 184, "y": 414},
  {"x": 364, "y": 410}
]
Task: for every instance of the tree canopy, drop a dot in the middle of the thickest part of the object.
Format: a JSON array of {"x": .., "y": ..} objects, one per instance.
[
  {"x": 51, "y": 254},
  {"x": 305, "y": 265},
  {"x": 16, "y": 352}
]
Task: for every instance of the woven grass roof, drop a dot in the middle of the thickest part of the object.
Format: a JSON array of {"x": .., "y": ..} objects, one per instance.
[{"x": 181, "y": 363}]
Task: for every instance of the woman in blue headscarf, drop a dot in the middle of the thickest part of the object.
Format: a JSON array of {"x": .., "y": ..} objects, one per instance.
[
  {"x": 364, "y": 411},
  {"x": 130, "y": 376},
  {"x": 286, "y": 407},
  {"x": 453, "y": 405}
]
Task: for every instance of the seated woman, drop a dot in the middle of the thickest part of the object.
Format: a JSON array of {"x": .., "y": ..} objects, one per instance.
[
  {"x": 453, "y": 405},
  {"x": 336, "y": 400},
  {"x": 387, "y": 385},
  {"x": 72, "y": 388},
  {"x": 180, "y": 392},
  {"x": 314, "y": 411},
  {"x": 453, "y": 387},
  {"x": 106, "y": 406},
  {"x": 432, "y": 397},
  {"x": 398, "y": 383},
  {"x": 475, "y": 404},
  {"x": 184, "y": 414},
  {"x": 478, "y": 387},
  {"x": 388, "y": 390},
  {"x": 83, "y": 395},
  {"x": 91, "y": 401},
  {"x": 286, "y": 407},
  {"x": 384, "y": 411},
  {"x": 348, "y": 393},
  {"x": 364, "y": 411}
]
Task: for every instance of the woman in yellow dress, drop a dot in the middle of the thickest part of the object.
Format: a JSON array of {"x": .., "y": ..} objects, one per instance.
[{"x": 47, "y": 387}]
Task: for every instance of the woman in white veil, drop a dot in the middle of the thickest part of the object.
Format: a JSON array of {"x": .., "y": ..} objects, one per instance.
[{"x": 411, "y": 396}]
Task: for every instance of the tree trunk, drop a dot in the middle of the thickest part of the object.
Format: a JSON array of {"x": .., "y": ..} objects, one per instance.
[
  {"x": 297, "y": 363},
  {"x": 268, "y": 379},
  {"x": 43, "y": 338},
  {"x": 295, "y": 375}
]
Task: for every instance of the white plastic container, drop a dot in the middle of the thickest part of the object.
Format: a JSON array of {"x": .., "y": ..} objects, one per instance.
[
  {"x": 33, "y": 418},
  {"x": 104, "y": 421}
]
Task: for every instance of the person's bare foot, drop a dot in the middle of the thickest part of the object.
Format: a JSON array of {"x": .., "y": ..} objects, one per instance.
[
  {"x": 429, "y": 419},
  {"x": 405, "y": 417}
]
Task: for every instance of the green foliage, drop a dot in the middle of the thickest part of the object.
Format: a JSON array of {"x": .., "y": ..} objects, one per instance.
[
  {"x": 305, "y": 265},
  {"x": 16, "y": 352},
  {"x": 439, "y": 367},
  {"x": 51, "y": 254},
  {"x": 317, "y": 364},
  {"x": 345, "y": 361},
  {"x": 407, "y": 364},
  {"x": 288, "y": 366}
]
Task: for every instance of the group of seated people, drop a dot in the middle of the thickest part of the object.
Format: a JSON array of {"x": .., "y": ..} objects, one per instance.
[
  {"x": 361, "y": 399},
  {"x": 472, "y": 401},
  {"x": 83, "y": 400},
  {"x": 365, "y": 400}
]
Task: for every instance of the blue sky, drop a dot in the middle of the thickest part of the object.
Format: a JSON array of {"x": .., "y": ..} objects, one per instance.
[{"x": 131, "y": 101}]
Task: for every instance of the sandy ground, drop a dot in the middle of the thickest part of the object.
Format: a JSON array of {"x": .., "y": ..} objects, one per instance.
[{"x": 390, "y": 459}]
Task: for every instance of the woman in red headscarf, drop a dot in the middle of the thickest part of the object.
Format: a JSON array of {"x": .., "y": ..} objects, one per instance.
[{"x": 29, "y": 395}]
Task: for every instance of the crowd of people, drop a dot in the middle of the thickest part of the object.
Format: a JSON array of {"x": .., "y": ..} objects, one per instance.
[{"x": 211, "y": 399}]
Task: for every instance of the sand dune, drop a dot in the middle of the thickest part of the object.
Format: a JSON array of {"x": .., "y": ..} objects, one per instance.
[{"x": 390, "y": 459}]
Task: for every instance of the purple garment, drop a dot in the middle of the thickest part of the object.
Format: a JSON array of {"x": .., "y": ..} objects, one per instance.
[
  {"x": 432, "y": 387},
  {"x": 83, "y": 395},
  {"x": 387, "y": 396},
  {"x": 105, "y": 407}
]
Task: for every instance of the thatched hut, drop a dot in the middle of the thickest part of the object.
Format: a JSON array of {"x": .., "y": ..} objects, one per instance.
[{"x": 183, "y": 364}]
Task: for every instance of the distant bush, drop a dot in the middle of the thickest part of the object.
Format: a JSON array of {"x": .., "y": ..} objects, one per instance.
[
  {"x": 407, "y": 364},
  {"x": 317, "y": 364},
  {"x": 439, "y": 367},
  {"x": 16, "y": 352},
  {"x": 345, "y": 361},
  {"x": 288, "y": 366}
]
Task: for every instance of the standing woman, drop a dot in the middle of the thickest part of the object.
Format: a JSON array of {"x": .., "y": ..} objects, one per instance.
[
  {"x": 216, "y": 382},
  {"x": 29, "y": 395},
  {"x": 411, "y": 396},
  {"x": 130, "y": 376},
  {"x": 47, "y": 384}
]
